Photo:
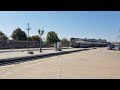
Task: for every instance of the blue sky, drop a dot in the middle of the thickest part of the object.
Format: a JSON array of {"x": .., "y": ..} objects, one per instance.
[{"x": 79, "y": 24}]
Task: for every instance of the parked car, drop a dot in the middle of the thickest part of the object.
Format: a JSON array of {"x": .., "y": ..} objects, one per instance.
[
  {"x": 117, "y": 47},
  {"x": 110, "y": 47}
]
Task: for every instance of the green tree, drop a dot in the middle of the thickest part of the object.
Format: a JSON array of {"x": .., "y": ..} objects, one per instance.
[
  {"x": 30, "y": 38},
  {"x": 3, "y": 36},
  {"x": 18, "y": 34},
  {"x": 52, "y": 37},
  {"x": 65, "y": 42},
  {"x": 35, "y": 38}
]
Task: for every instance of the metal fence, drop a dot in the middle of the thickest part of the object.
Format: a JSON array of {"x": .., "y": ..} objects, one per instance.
[{"x": 17, "y": 44}]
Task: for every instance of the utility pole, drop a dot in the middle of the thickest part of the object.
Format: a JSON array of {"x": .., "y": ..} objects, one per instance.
[
  {"x": 119, "y": 35},
  {"x": 27, "y": 37}
]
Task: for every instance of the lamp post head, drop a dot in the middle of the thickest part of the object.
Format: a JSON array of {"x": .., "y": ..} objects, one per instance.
[{"x": 40, "y": 32}]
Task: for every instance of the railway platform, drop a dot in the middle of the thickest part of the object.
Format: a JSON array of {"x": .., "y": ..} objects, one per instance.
[{"x": 16, "y": 57}]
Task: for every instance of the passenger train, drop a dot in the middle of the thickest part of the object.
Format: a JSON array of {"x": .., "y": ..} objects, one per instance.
[{"x": 84, "y": 43}]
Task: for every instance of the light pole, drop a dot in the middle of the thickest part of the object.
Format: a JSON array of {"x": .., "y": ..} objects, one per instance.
[
  {"x": 118, "y": 36},
  {"x": 28, "y": 36},
  {"x": 40, "y": 33}
]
